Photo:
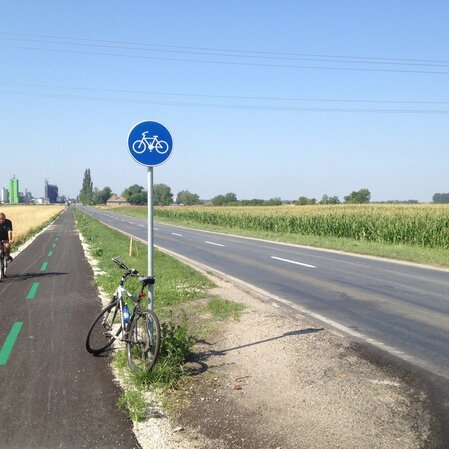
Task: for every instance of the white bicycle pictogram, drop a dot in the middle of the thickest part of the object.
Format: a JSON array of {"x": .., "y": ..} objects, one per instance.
[{"x": 152, "y": 143}]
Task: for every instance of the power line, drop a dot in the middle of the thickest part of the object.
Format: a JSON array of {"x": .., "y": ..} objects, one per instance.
[
  {"x": 229, "y": 97},
  {"x": 368, "y": 58},
  {"x": 228, "y": 106},
  {"x": 251, "y": 64},
  {"x": 238, "y": 54}
]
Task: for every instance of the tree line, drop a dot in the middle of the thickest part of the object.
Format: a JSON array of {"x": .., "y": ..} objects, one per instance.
[
  {"x": 163, "y": 196},
  {"x": 90, "y": 194},
  {"x": 135, "y": 194},
  {"x": 441, "y": 198}
]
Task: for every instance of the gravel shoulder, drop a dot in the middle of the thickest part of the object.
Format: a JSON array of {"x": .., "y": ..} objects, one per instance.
[{"x": 273, "y": 379}]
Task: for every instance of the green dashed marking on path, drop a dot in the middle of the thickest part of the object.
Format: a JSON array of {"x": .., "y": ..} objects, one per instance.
[
  {"x": 33, "y": 290},
  {"x": 44, "y": 266},
  {"x": 54, "y": 245},
  {"x": 50, "y": 254},
  {"x": 9, "y": 342}
]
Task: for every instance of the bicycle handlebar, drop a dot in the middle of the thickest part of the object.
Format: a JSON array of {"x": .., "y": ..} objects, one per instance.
[
  {"x": 144, "y": 280},
  {"x": 132, "y": 271}
]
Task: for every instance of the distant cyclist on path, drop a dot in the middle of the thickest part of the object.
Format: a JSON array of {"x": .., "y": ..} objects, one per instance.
[{"x": 6, "y": 235}]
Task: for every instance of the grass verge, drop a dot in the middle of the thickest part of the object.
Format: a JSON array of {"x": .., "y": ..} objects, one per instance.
[
  {"x": 409, "y": 253},
  {"x": 180, "y": 295}
]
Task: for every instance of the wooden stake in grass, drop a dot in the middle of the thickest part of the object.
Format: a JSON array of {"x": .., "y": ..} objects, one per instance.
[{"x": 133, "y": 244}]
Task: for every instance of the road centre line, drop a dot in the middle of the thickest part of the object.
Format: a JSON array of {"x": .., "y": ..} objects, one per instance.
[
  {"x": 175, "y": 233},
  {"x": 9, "y": 342},
  {"x": 293, "y": 262},
  {"x": 212, "y": 243}
]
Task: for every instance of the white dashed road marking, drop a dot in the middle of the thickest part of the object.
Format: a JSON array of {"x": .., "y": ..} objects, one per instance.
[
  {"x": 212, "y": 243},
  {"x": 294, "y": 262}
]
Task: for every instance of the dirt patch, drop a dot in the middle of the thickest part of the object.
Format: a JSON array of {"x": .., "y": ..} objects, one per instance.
[{"x": 274, "y": 380}]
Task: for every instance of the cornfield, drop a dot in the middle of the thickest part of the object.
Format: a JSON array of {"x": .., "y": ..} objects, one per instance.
[
  {"x": 26, "y": 219},
  {"x": 422, "y": 225}
]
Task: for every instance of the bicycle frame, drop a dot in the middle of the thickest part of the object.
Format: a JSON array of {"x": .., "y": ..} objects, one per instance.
[
  {"x": 120, "y": 294},
  {"x": 151, "y": 143}
]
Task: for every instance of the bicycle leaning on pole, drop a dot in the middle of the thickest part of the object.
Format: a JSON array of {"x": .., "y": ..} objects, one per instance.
[
  {"x": 140, "y": 330},
  {"x": 3, "y": 260}
]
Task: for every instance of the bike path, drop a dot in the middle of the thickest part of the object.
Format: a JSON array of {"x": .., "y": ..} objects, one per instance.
[{"x": 53, "y": 393}]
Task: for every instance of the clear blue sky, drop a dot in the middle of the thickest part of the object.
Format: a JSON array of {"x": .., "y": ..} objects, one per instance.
[{"x": 263, "y": 98}]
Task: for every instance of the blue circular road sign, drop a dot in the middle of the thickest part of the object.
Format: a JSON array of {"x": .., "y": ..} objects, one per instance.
[{"x": 150, "y": 143}]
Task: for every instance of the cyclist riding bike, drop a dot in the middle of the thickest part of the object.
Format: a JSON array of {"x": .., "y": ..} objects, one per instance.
[{"x": 6, "y": 235}]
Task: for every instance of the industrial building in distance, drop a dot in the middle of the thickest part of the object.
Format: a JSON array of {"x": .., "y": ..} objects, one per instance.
[{"x": 12, "y": 194}]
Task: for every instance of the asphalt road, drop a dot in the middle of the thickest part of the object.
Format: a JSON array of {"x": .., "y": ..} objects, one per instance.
[
  {"x": 400, "y": 308},
  {"x": 53, "y": 393}
]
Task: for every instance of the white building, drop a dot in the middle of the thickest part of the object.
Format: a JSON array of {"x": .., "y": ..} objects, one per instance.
[{"x": 4, "y": 195}]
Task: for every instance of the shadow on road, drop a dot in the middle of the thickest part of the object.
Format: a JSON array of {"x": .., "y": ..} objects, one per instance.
[{"x": 25, "y": 276}]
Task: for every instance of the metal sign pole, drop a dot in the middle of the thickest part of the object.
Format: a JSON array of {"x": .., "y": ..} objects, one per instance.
[
  {"x": 150, "y": 238},
  {"x": 150, "y": 144}
]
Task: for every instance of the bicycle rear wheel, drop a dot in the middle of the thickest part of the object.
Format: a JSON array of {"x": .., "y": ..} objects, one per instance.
[
  {"x": 104, "y": 330},
  {"x": 144, "y": 342}
]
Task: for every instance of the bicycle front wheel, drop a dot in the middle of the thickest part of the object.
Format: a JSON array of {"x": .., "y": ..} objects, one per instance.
[
  {"x": 104, "y": 330},
  {"x": 162, "y": 146},
  {"x": 144, "y": 342},
  {"x": 2, "y": 268}
]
